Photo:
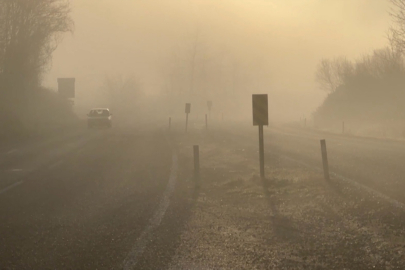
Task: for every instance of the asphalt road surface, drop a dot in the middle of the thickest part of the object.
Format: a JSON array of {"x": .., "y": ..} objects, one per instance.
[
  {"x": 120, "y": 198},
  {"x": 82, "y": 200}
]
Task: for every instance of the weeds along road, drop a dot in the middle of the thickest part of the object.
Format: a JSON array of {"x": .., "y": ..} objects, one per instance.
[
  {"x": 83, "y": 200},
  {"x": 294, "y": 219},
  {"x": 375, "y": 163}
]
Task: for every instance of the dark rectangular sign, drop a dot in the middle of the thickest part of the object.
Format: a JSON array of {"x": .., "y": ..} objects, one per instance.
[
  {"x": 66, "y": 87},
  {"x": 260, "y": 110},
  {"x": 209, "y": 104},
  {"x": 188, "y": 107}
]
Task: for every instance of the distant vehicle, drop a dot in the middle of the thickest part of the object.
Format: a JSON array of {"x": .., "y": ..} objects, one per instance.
[{"x": 99, "y": 117}]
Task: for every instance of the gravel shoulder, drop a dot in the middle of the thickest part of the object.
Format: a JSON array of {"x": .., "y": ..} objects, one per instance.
[{"x": 291, "y": 220}]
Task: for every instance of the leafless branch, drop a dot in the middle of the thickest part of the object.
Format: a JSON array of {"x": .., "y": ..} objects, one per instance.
[{"x": 30, "y": 30}]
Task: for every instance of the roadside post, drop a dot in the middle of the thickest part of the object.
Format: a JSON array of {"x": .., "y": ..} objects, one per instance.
[
  {"x": 66, "y": 89},
  {"x": 170, "y": 123},
  {"x": 343, "y": 127},
  {"x": 260, "y": 118},
  {"x": 188, "y": 109},
  {"x": 206, "y": 122},
  {"x": 196, "y": 150},
  {"x": 209, "y": 105},
  {"x": 325, "y": 160}
]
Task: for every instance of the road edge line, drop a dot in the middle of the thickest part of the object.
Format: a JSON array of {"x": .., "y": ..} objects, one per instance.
[
  {"x": 10, "y": 187},
  {"x": 131, "y": 259}
]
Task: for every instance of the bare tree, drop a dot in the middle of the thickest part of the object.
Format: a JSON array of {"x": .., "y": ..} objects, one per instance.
[
  {"x": 122, "y": 92},
  {"x": 30, "y": 31},
  {"x": 185, "y": 66},
  {"x": 193, "y": 57},
  {"x": 325, "y": 76},
  {"x": 382, "y": 63},
  {"x": 343, "y": 69},
  {"x": 197, "y": 69},
  {"x": 173, "y": 71},
  {"x": 396, "y": 34},
  {"x": 388, "y": 62},
  {"x": 333, "y": 73},
  {"x": 394, "y": 41}
]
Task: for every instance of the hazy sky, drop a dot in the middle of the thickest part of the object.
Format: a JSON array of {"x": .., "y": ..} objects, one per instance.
[{"x": 288, "y": 38}]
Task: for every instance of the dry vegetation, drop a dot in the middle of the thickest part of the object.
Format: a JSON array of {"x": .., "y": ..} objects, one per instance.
[
  {"x": 293, "y": 220},
  {"x": 30, "y": 31}
]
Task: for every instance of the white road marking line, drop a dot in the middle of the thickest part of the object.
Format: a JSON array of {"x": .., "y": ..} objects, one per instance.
[
  {"x": 353, "y": 183},
  {"x": 11, "y": 151},
  {"x": 17, "y": 170},
  {"x": 145, "y": 237},
  {"x": 10, "y": 187}
]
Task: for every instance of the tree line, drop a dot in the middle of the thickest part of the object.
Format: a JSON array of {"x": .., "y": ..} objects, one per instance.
[
  {"x": 369, "y": 89},
  {"x": 199, "y": 69},
  {"x": 196, "y": 67},
  {"x": 30, "y": 30}
]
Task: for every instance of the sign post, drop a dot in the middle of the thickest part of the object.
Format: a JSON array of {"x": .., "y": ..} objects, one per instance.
[
  {"x": 196, "y": 150},
  {"x": 66, "y": 87},
  {"x": 261, "y": 151},
  {"x": 209, "y": 105},
  {"x": 260, "y": 118},
  {"x": 188, "y": 109}
]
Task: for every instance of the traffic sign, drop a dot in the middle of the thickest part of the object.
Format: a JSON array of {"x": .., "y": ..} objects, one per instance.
[
  {"x": 260, "y": 118},
  {"x": 260, "y": 110},
  {"x": 188, "y": 107},
  {"x": 66, "y": 87},
  {"x": 209, "y": 105}
]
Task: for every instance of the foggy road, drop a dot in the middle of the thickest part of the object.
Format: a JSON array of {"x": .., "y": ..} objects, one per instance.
[
  {"x": 81, "y": 201},
  {"x": 127, "y": 140},
  {"x": 119, "y": 199}
]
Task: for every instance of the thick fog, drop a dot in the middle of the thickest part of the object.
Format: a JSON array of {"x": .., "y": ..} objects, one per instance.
[{"x": 275, "y": 44}]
